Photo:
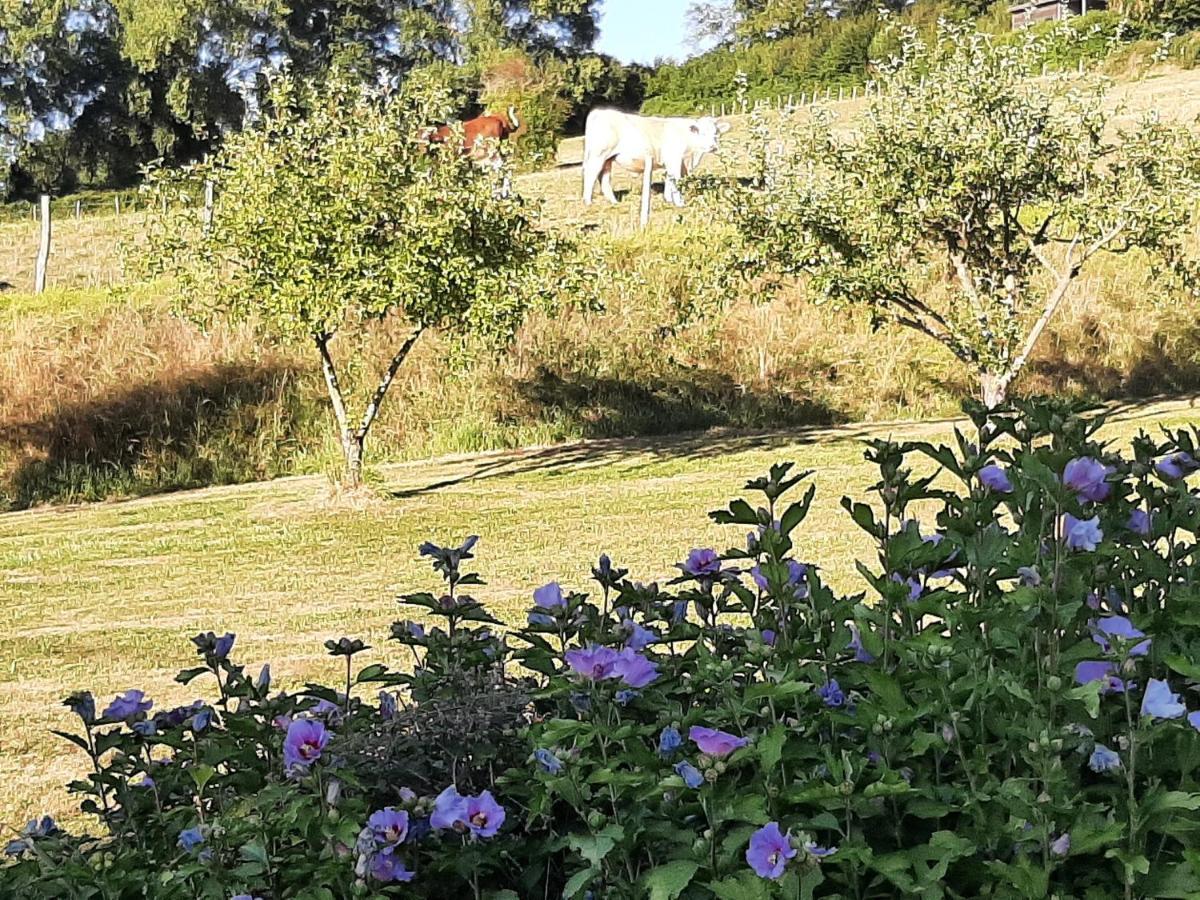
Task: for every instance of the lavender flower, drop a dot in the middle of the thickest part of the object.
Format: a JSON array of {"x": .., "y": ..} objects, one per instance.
[
  {"x": 547, "y": 761},
  {"x": 702, "y": 563},
  {"x": 190, "y": 839},
  {"x": 1104, "y": 760},
  {"x": 860, "y": 653},
  {"x": 818, "y": 852},
  {"x": 594, "y": 663},
  {"x": 715, "y": 743},
  {"x": 669, "y": 740},
  {"x": 624, "y": 698},
  {"x": 769, "y": 852},
  {"x": 1139, "y": 522},
  {"x": 387, "y": 867},
  {"x": 1081, "y": 534},
  {"x": 768, "y": 637},
  {"x": 690, "y": 774},
  {"x": 1061, "y": 845},
  {"x": 481, "y": 815},
  {"x": 639, "y": 638},
  {"x": 1086, "y": 477},
  {"x": 1120, "y": 627},
  {"x": 1177, "y": 466},
  {"x": 549, "y": 596},
  {"x": 634, "y": 669},
  {"x": 1194, "y": 720},
  {"x": 796, "y": 583},
  {"x": 126, "y": 706},
  {"x": 302, "y": 746},
  {"x": 389, "y": 826},
  {"x": 541, "y": 620},
  {"x": 1099, "y": 670},
  {"x": 831, "y": 694},
  {"x": 387, "y": 706},
  {"x": 1160, "y": 702},
  {"x": 995, "y": 479}
]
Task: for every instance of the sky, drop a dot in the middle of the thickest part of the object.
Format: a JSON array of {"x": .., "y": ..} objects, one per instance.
[{"x": 643, "y": 30}]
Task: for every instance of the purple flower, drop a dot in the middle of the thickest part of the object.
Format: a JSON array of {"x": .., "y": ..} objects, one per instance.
[
  {"x": 690, "y": 774},
  {"x": 1194, "y": 720},
  {"x": 679, "y": 612},
  {"x": 702, "y": 563},
  {"x": 387, "y": 706},
  {"x": 995, "y": 479},
  {"x": 624, "y": 698},
  {"x": 1085, "y": 476},
  {"x": 389, "y": 825},
  {"x": 541, "y": 620},
  {"x": 594, "y": 663},
  {"x": 1061, "y": 845},
  {"x": 669, "y": 740},
  {"x": 145, "y": 782},
  {"x": 302, "y": 746},
  {"x": 1139, "y": 522},
  {"x": 831, "y": 694},
  {"x": 914, "y": 586},
  {"x": 1081, "y": 534},
  {"x": 796, "y": 578},
  {"x": 1120, "y": 627},
  {"x": 768, "y": 637},
  {"x": 1098, "y": 670},
  {"x": 126, "y": 706},
  {"x": 715, "y": 743},
  {"x": 769, "y": 852},
  {"x": 1104, "y": 760},
  {"x": 1029, "y": 575},
  {"x": 549, "y": 596},
  {"x": 634, "y": 669},
  {"x": 818, "y": 852},
  {"x": 860, "y": 653},
  {"x": 481, "y": 815},
  {"x": 387, "y": 867},
  {"x": 547, "y": 761},
  {"x": 639, "y": 638},
  {"x": 223, "y": 645},
  {"x": 1160, "y": 702},
  {"x": 145, "y": 728},
  {"x": 1177, "y": 466},
  {"x": 190, "y": 839}
]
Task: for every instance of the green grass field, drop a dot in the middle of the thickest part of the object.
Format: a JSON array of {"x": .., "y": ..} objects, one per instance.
[{"x": 105, "y": 597}]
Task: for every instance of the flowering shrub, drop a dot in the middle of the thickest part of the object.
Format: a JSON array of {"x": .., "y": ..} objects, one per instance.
[{"x": 1010, "y": 711}]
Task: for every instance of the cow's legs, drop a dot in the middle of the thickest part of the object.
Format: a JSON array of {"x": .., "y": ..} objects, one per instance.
[
  {"x": 592, "y": 168},
  {"x": 649, "y": 170},
  {"x": 671, "y": 182},
  {"x": 606, "y": 182}
]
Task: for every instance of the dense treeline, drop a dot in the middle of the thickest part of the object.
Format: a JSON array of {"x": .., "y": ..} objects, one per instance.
[
  {"x": 781, "y": 47},
  {"x": 91, "y": 90}
]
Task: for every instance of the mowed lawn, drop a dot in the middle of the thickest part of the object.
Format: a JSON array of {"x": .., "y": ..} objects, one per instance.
[{"x": 105, "y": 597}]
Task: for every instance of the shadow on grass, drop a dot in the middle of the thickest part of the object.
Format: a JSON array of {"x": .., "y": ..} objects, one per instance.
[
  {"x": 621, "y": 419},
  {"x": 191, "y": 429}
]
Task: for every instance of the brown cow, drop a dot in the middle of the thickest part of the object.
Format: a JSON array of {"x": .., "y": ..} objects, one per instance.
[{"x": 481, "y": 128}]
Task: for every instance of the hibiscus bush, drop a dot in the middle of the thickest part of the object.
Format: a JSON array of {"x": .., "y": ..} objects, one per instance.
[{"x": 1009, "y": 709}]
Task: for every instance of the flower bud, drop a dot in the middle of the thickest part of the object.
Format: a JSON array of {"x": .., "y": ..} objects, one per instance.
[
  {"x": 1054, "y": 683},
  {"x": 711, "y": 776}
]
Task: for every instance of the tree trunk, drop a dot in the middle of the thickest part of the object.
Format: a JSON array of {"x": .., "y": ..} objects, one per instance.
[
  {"x": 352, "y": 449},
  {"x": 993, "y": 388}
]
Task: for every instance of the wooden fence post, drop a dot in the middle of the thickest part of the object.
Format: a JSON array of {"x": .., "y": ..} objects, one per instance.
[
  {"x": 78, "y": 209},
  {"x": 208, "y": 205},
  {"x": 117, "y": 203},
  {"x": 43, "y": 256},
  {"x": 840, "y": 89}
]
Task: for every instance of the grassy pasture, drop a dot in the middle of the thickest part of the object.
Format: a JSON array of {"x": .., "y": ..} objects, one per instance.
[{"x": 105, "y": 596}]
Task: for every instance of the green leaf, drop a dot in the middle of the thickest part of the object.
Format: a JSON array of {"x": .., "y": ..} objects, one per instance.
[
  {"x": 668, "y": 881},
  {"x": 254, "y": 852},
  {"x": 187, "y": 676},
  {"x": 742, "y": 886},
  {"x": 371, "y": 673},
  {"x": 578, "y": 882},
  {"x": 770, "y": 747},
  {"x": 201, "y": 775},
  {"x": 595, "y": 847},
  {"x": 1089, "y": 694}
]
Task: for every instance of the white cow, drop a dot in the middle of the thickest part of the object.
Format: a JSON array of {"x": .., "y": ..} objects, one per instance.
[{"x": 644, "y": 143}]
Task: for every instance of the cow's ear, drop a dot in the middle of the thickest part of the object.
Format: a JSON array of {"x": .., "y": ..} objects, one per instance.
[
  {"x": 723, "y": 127},
  {"x": 695, "y": 129}
]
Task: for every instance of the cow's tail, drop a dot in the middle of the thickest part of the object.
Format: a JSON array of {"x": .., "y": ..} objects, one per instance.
[{"x": 512, "y": 117}]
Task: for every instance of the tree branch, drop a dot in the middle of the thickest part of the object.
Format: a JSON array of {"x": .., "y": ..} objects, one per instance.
[
  {"x": 331, "y": 380},
  {"x": 386, "y": 382}
]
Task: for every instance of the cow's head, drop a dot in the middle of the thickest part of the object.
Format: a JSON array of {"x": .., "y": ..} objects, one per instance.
[{"x": 706, "y": 134}]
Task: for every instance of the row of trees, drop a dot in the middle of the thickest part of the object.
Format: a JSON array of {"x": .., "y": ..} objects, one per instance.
[{"x": 91, "y": 90}]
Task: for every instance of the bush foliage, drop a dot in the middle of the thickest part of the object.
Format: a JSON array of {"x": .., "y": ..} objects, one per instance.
[{"x": 1009, "y": 711}]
